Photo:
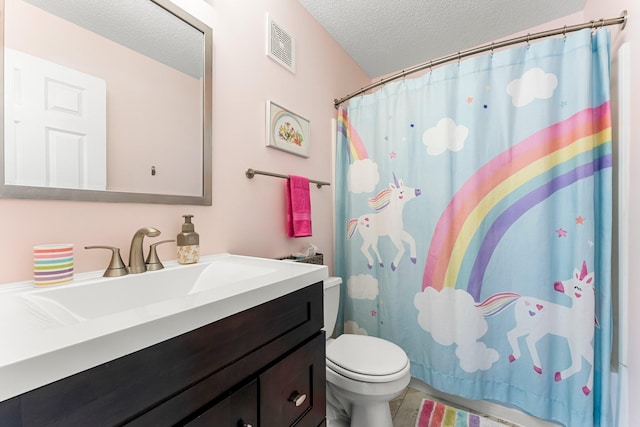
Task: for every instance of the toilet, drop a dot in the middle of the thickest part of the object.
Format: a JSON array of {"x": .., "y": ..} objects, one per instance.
[{"x": 363, "y": 373}]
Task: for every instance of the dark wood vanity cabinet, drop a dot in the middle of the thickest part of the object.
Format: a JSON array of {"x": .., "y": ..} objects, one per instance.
[
  {"x": 294, "y": 388},
  {"x": 262, "y": 367},
  {"x": 238, "y": 409}
]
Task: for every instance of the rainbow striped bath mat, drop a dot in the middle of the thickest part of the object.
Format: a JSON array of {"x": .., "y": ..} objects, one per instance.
[{"x": 436, "y": 414}]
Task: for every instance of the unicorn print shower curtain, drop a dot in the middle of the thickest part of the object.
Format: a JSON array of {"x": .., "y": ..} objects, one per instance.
[{"x": 473, "y": 225}]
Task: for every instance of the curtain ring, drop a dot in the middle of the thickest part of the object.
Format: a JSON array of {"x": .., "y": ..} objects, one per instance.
[
  {"x": 492, "y": 49},
  {"x": 564, "y": 33},
  {"x": 601, "y": 23},
  {"x": 458, "y": 57},
  {"x": 431, "y": 66},
  {"x": 528, "y": 40}
]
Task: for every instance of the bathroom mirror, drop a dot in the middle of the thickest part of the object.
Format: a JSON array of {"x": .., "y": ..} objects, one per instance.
[{"x": 105, "y": 101}]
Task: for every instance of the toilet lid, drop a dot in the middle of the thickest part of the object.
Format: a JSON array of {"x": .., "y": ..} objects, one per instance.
[{"x": 366, "y": 358}]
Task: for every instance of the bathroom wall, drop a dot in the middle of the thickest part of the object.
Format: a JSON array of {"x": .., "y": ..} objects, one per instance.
[{"x": 247, "y": 216}]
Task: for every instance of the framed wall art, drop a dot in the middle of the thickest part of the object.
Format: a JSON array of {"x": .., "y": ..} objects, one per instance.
[{"x": 287, "y": 131}]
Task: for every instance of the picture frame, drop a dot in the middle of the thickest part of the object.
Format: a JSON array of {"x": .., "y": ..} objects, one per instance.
[{"x": 287, "y": 131}]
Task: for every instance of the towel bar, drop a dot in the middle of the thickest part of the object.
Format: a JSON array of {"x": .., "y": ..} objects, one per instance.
[{"x": 250, "y": 173}]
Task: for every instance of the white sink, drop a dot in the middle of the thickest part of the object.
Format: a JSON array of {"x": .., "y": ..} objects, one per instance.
[
  {"x": 51, "y": 333},
  {"x": 90, "y": 299}
]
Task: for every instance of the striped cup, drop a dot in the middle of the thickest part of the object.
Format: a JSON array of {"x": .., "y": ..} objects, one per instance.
[{"x": 52, "y": 264}]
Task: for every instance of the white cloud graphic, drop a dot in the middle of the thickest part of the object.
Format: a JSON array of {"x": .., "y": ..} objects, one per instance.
[
  {"x": 363, "y": 176},
  {"x": 534, "y": 84},
  {"x": 442, "y": 312},
  {"x": 362, "y": 286},
  {"x": 351, "y": 327},
  {"x": 476, "y": 356},
  {"x": 445, "y": 135}
]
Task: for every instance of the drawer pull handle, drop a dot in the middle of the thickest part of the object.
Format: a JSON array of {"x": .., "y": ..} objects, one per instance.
[
  {"x": 246, "y": 425},
  {"x": 298, "y": 398}
]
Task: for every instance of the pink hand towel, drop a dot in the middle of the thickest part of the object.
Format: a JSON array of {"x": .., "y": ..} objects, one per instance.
[{"x": 298, "y": 207}]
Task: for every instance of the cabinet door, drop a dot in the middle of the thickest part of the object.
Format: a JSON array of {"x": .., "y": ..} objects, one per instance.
[
  {"x": 293, "y": 392},
  {"x": 240, "y": 409}
]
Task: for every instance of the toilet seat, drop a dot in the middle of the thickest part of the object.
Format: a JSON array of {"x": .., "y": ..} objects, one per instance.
[{"x": 367, "y": 359}]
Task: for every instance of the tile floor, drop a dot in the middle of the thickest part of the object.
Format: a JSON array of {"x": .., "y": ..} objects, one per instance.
[{"x": 405, "y": 407}]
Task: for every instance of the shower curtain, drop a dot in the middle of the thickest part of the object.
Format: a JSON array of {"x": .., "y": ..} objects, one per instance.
[{"x": 473, "y": 225}]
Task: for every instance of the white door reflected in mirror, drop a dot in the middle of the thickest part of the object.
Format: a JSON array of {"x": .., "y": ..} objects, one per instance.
[{"x": 55, "y": 125}]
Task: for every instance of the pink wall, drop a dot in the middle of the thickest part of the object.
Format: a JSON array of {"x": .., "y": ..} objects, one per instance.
[
  {"x": 247, "y": 216},
  {"x": 134, "y": 106}
]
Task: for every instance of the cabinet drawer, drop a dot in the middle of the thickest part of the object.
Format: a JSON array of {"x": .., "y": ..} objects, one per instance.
[
  {"x": 292, "y": 392},
  {"x": 239, "y": 409},
  {"x": 237, "y": 348}
]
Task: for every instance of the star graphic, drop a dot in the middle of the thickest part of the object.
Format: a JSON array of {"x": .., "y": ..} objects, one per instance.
[
  {"x": 392, "y": 155},
  {"x": 561, "y": 232},
  {"x": 386, "y": 138},
  {"x": 580, "y": 219},
  {"x": 469, "y": 100},
  {"x": 485, "y": 106},
  {"x": 373, "y": 313},
  {"x": 590, "y": 242}
]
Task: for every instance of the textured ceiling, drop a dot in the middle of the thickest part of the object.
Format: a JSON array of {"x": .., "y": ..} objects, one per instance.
[
  {"x": 140, "y": 25},
  {"x": 384, "y": 36}
]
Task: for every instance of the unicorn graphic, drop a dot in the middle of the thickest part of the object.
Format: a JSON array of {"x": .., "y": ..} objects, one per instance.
[
  {"x": 389, "y": 204},
  {"x": 536, "y": 318}
]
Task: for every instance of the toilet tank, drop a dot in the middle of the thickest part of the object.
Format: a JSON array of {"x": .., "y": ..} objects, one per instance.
[{"x": 331, "y": 301}]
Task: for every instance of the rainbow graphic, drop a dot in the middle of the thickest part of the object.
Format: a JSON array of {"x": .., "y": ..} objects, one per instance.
[
  {"x": 356, "y": 146},
  {"x": 505, "y": 188}
]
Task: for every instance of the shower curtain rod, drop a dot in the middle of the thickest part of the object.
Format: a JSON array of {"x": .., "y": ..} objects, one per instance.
[{"x": 621, "y": 20}]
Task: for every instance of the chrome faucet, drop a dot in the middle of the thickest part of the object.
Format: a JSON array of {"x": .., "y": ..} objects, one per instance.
[{"x": 136, "y": 255}]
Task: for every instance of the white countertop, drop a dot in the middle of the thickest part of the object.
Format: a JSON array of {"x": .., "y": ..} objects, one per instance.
[{"x": 49, "y": 334}]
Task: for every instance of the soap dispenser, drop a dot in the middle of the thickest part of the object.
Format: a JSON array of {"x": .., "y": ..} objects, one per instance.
[{"x": 188, "y": 243}]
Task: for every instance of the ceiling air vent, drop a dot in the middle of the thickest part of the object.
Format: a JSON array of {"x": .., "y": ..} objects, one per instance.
[{"x": 280, "y": 45}]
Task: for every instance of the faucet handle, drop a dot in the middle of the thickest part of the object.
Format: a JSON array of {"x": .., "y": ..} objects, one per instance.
[
  {"x": 116, "y": 265},
  {"x": 153, "y": 261}
]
